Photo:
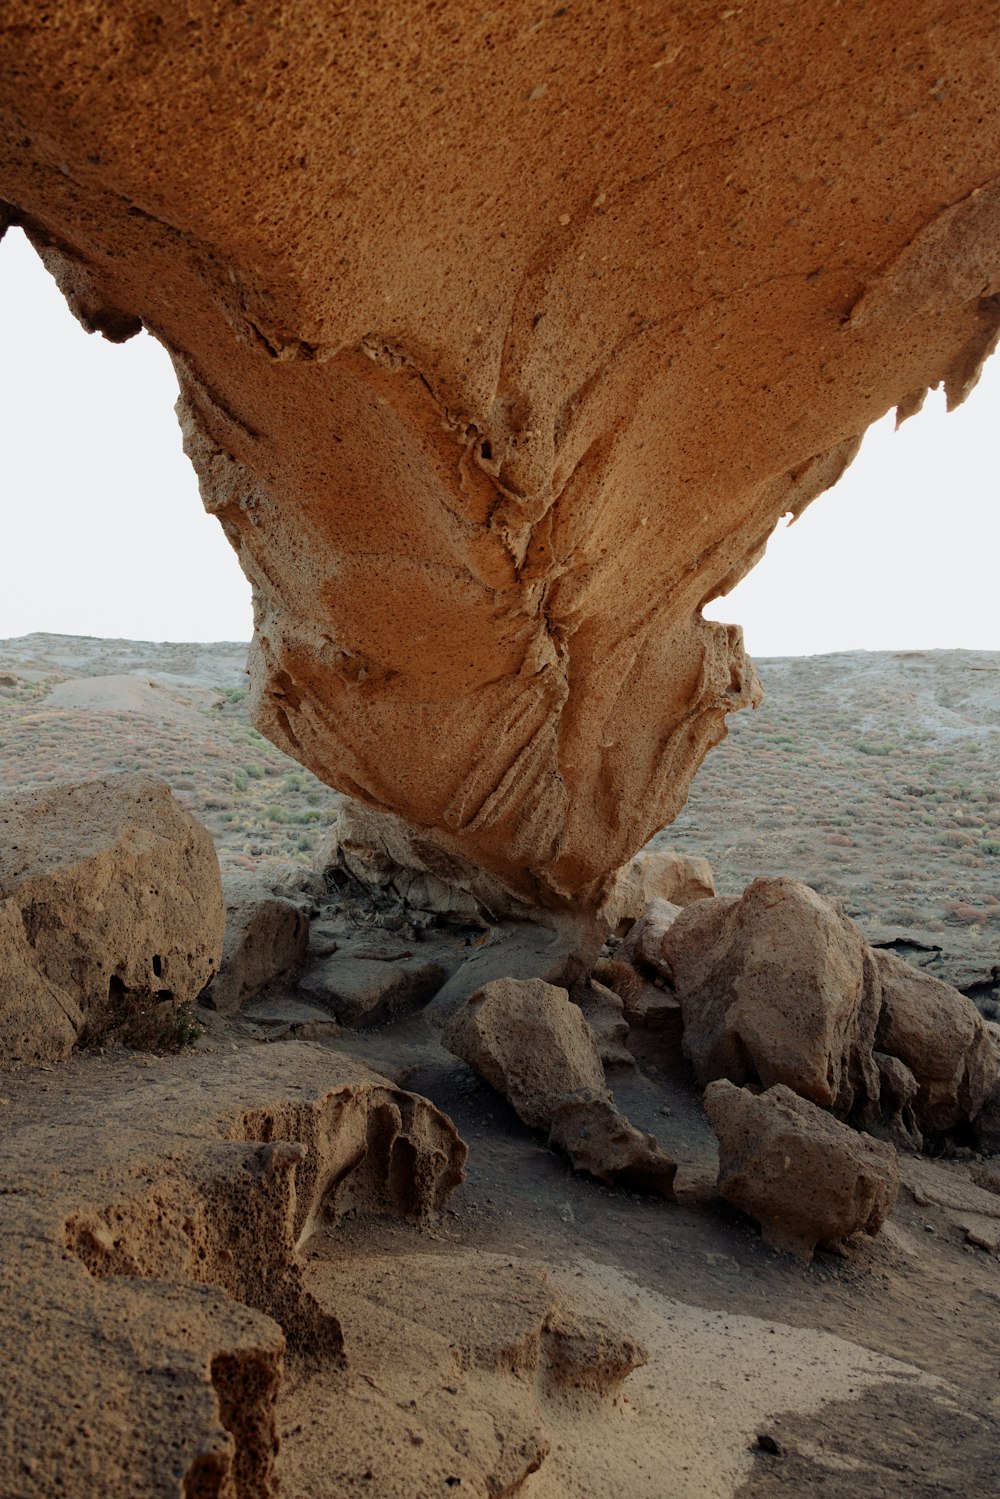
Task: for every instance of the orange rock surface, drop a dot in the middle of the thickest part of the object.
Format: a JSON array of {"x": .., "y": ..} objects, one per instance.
[{"x": 504, "y": 338}]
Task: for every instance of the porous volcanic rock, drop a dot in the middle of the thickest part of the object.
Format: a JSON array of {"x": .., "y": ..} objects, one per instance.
[
  {"x": 110, "y": 904},
  {"x": 808, "y": 1179},
  {"x": 940, "y": 1036},
  {"x": 266, "y": 938},
  {"x": 599, "y": 1140},
  {"x": 150, "y": 1278},
  {"x": 660, "y": 874},
  {"x": 504, "y": 339},
  {"x": 532, "y": 1044},
  {"x": 777, "y": 986}
]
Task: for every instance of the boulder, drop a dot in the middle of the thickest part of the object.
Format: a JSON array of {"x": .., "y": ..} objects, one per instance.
[
  {"x": 938, "y": 1033},
  {"x": 531, "y": 1043},
  {"x": 660, "y": 874},
  {"x": 487, "y": 414},
  {"x": 110, "y": 904},
  {"x": 777, "y": 986},
  {"x": 809, "y": 1180},
  {"x": 367, "y": 991},
  {"x": 266, "y": 938}
]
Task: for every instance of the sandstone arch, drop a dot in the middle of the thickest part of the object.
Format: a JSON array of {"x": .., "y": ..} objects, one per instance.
[{"x": 504, "y": 338}]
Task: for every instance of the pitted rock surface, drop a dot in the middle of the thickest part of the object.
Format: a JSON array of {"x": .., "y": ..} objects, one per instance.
[
  {"x": 505, "y": 337},
  {"x": 810, "y": 1181},
  {"x": 110, "y": 906}
]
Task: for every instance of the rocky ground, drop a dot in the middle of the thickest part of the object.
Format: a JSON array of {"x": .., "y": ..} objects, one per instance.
[
  {"x": 543, "y": 1333},
  {"x": 870, "y": 775}
]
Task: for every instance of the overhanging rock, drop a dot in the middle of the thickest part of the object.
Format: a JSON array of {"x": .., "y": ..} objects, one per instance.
[{"x": 504, "y": 338}]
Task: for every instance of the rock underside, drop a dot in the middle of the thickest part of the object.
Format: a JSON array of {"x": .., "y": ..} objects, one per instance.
[{"x": 504, "y": 339}]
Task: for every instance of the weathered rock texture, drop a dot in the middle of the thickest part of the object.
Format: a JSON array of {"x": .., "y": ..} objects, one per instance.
[
  {"x": 456, "y": 1365},
  {"x": 779, "y": 986},
  {"x": 110, "y": 904},
  {"x": 505, "y": 337},
  {"x": 808, "y": 1179},
  {"x": 939, "y": 1035},
  {"x": 149, "y": 1268},
  {"x": 266, "y": 938},
  {"x": 662, "y": 875},
  {"x": 533, "y": 1045}
]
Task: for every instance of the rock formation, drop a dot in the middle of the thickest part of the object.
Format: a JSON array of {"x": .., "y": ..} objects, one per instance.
[
  {"x": 939, "y": 1036},
  {"x": 110, "y": 905},
  {"x": 808, "y": 1179},
  {"x": 266, "y": 938},
  {"x": 779, "y": 986},
  {"x": 150, "y": 1276},
  {"x": 504, "y": 338},
  {"x": 532, "y": 1044}
]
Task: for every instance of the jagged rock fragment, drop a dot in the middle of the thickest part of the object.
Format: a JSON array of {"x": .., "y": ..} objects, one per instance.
[
  {"x": 110, "y": 905},
  {"x": 644, "y": 943},
  {"x": 604, "y": 1012},
  {"x": 533, "y": 1045},
  {"x": 266, "y": 938},
  {"x": 938, "y": 1033},
  {"x": 809, "y": 1180},
  {"x": 777, "y": 986},
  {"x": 599, "y": 1140},
  {"x": 987, "y": 1126},
  {"x": 410, "y": 872},
  {"x": 895, "y": 1111}
]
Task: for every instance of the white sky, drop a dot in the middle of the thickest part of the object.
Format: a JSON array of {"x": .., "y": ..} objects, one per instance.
[{"x": 104, "y": 533}]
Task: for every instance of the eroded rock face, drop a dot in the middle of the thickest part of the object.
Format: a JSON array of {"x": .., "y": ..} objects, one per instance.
[
  {"x": 151, "y": 1280},
  {"x": 809, "y": 1180},
  {"x": 110, "y": 903},
  {"x": 504, "y": 339}
]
